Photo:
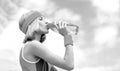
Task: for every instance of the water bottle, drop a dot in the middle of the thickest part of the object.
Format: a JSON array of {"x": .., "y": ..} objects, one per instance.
[{"x": 72, "y": 29}]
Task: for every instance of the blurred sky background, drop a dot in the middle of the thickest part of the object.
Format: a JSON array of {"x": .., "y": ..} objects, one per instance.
[{"x": 97, "y": 45}]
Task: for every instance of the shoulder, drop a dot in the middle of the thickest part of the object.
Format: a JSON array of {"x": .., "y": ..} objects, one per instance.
[
  {"x": 33, "y": 43},
  {"x": 35, "y": 47}
]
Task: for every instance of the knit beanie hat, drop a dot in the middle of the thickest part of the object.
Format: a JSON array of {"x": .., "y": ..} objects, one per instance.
[{"x": 25, "y": 21}]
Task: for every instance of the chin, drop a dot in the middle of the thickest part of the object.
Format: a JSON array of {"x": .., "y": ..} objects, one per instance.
[{"x": 46, "y": 32}]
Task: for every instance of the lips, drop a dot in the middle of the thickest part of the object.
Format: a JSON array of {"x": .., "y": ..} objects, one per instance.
[
  {"x": 51, "y": 26},
  {"x": 47, "y": 28}
]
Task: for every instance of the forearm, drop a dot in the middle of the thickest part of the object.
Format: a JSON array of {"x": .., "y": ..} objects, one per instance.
[
  {"x": 68, "y": 61},
  {"x": 69, "y": 55}
]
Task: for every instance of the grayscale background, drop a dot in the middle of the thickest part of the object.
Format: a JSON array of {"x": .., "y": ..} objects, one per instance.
[{"x": 97, "y": 45}]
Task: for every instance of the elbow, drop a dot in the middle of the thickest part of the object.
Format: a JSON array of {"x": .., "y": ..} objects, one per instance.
[{"x": 70, "y": 67}]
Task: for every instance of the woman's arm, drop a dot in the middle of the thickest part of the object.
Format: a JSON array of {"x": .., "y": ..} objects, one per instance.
[
  {"x": 53, "y": 68},
  {"x": 38, "y": 49}
]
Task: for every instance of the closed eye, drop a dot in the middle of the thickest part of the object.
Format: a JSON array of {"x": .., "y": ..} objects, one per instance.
[{"x": 40, "y": 18}]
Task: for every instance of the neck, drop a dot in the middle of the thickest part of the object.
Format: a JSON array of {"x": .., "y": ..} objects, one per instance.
[{"x": 37, "y": 37}]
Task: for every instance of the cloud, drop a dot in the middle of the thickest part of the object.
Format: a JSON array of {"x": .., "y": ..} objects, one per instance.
[
  {"x": 104, "y": 54},
  {"x": 107, "y": 5},
  {"x": 106, "y": 35},
  {"x": 44, "y": 6},
  {"x": 35, "y": 4},
  {"x": 99, "y": 68},
  {"x": 107, "y": 11},
  {"x": 67, "y": 14},
  {"x": 106, "y": 21}
]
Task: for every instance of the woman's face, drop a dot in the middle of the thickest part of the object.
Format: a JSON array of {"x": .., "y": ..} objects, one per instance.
[{"x": 43, "y": 25}]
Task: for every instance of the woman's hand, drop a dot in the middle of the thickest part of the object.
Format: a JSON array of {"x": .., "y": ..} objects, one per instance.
[{"x": 61, "y": 27}]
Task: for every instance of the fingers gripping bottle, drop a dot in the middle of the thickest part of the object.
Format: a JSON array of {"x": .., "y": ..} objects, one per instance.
[{"x": 72, "y": 29}]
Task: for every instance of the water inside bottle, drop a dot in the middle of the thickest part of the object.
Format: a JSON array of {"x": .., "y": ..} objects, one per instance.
[{"x": 73, "y": 29}]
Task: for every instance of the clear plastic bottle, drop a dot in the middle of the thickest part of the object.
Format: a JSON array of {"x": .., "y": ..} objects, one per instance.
[{"x": 72, "y": 29}]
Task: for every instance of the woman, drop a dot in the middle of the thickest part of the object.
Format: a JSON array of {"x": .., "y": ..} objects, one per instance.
[{"x": 34, "y": 56}]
